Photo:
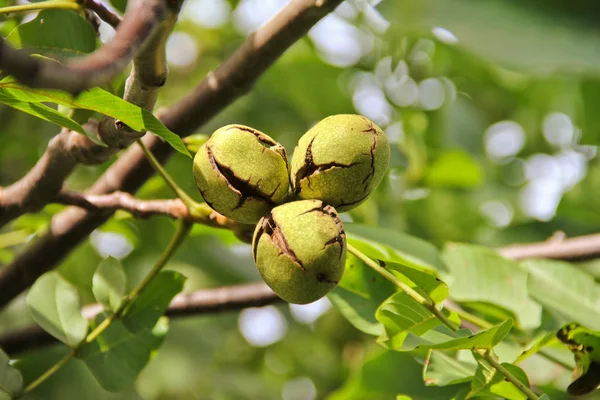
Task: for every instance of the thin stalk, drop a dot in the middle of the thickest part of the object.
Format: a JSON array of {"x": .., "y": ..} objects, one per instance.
[
  {"x": 522, "y": 387},
  {"x": 59, "y": 364},
  {"x": 413, "y": 294},
  {"x": 192, "y": 205},
  {"x": 65, "y": 4},
  {"x": 183, "y": 229},
  {"x": 486, "y": 325},
  {"x": 430, "y": 305}
]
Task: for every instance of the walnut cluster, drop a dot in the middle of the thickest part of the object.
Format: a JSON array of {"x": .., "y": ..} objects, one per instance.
[{"x": 299, "y": 243}]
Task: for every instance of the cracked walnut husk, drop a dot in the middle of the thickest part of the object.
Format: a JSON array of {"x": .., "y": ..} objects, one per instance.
[
  {"x": 341, "y": 160},
  {"x": 241, "y": 173},
  {"x": 299, "y": 249}
]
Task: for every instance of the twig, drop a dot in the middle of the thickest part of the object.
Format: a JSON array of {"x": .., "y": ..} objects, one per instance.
[
  {"x": 68, "y": 5},
  {"x": 66, "y": 150},
  {"x": 573, "y": 249},
  {"x": 96, "y": 69},
  {"x": 230, "y": 81},
  {"x": 201, "y": 302},
  {"x": 148, "y": 75},
  {"x": 180, "y": 193},
  {"x": 41, "y": 183},
  {"x": 172, "y": 208},
  {"x": 102, "y": 12}
]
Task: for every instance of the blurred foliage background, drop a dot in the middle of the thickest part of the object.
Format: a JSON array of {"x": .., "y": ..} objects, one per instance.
[{"x": 491, "y": 110}]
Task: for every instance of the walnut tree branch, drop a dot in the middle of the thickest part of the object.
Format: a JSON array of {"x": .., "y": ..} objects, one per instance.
[
  {"x": 96, "y": 69},
  {"x": 223, "y": 86},
  {"x": 569, "y": 249},
  {"x": 172, "y": 208},
  {"x": 231, "y": 298},
  {"x": 39, "y": 186},
  {"x": 102, "y": 12},
  {"x": 206, "y": 301},
  {"x": 254, "y": 295}
]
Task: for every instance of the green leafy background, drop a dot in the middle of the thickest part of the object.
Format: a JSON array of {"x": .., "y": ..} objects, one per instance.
[{"x": 452, "y": 195}]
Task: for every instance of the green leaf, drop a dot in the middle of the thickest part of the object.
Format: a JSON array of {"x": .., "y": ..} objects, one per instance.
[
  {"x": 109, "y": 282},
  {"x": 480, "y": 274},
  {"x": 358, "y": 310},
  {"x": 545, "y": 340},
  {"x": 584, "y": 343},
  {"x": 152, "y": 302},
  {"x": 117, "y": 356},
  {"x": 359, "y": 294},
  {"x": 100, "y": 101},
  {"x": 566, "y": 290},
  {"x": 54, "y": 304},
  {"x": 11, "y": 381},
  {"x": 488, "y": 380},
  {"x": 409, "y": 325},
  {"x": 398, "y": 246},
  {"x": 41, "y": 111},
  {"x": 481, "y": 340},
  {"x": 388, "y": 374},
  {"x": 455, "y": 168},
  {"x": 443, "y": 369},
  {"x": 55, "y": 32},
  {"x": 426, "y": 284}
]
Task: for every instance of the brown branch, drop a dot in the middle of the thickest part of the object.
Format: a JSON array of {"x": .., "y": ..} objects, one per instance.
[
  {"x": 172, "y": 208},
  {"x": 102, "y": 12},
  {"x": 231, "y": 298},
  {"x": 96, "y": 69},
  {"x": 40, "y": 185},
  {"x": 573, "y": 249},
  {"x": 201, "y": 302},
  {"x": 148, "y": 75},
  {"x": 230, "y": 81}
]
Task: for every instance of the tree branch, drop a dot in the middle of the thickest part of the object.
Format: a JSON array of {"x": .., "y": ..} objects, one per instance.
[
  {"x": 201, "y": 302},
  {"x": 40, "y": 185},
  {"x": 572, "y": 249},
  {"x": 231, "y": 298},
  {"x": 172, "y": 208},
  {"x": 148, "y": 75},
  {"x": 232, "y": 79},
  {"x": 96, "y": 69},
  {"x": 102, "y": 12}
]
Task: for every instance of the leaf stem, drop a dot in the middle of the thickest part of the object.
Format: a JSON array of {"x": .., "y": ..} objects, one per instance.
[
  {"x": 183, "y": 229},
  {"x": 493, "y": 362},
  {"x": 196, "y": 209},
  {"x": 64, "y": 4},
  {"x": 58, "y": 365},
  {"x": 430, "y": 305},
  {"x": 427, "y": 302},
  {"x": 486, "y": 325}
]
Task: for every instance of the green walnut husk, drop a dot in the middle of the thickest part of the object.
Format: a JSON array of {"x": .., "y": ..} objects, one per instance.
[
  {"x": 341, "y": 160},
  {"x": 241, "y": 173},
  {"x": 300, "y": 250}
]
